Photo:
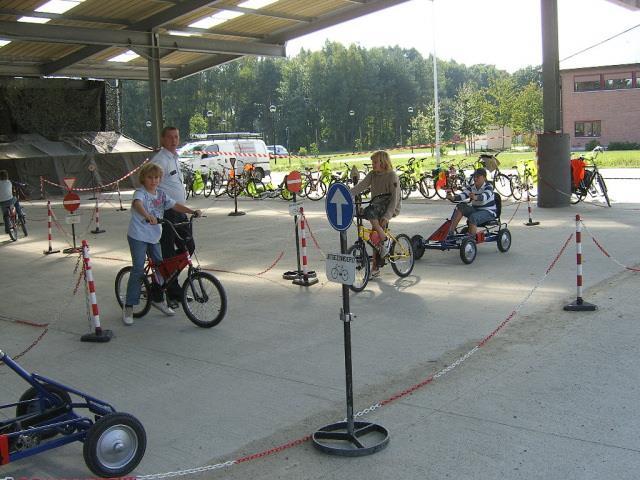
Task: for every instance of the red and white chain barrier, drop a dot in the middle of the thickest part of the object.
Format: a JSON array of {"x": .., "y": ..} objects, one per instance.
[
  {"x": 98, "y": 334},
  {"x": 92, "y": 188},
  {"x": 49, "y": 214},
  {"x": 607, "y": 254},
  {"x": 579, "y": 305},
  {"x": 404, "y": 393}
]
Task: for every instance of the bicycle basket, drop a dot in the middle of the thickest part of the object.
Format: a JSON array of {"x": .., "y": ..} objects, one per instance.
[
  {"x": 170, "y": 265},
  {"x": 577, "y": 171}
]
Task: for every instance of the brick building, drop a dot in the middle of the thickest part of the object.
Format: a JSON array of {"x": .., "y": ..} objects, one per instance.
[{"x": 601, "y": 103}]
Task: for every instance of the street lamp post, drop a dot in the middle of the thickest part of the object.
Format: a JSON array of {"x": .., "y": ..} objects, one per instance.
[
  {"x": 273, "y": 109},
  {"x": 286, "y": 129},
  {"x": 209, "y": 115},
  {"x": 410, "y": 112},
  {"x": 352, "y": 114}
]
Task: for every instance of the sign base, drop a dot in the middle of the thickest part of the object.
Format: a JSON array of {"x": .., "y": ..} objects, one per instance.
[
  {"x": 305, "y": 282},
  {"x": 580, "y": 306},
  {"x": 365, "y": 439},
  {"x": 50, "y": 251},
  {"x": 237, "y": 213},
  {"x": 98, "y": 230},
  {"x": 530, "y": 223},
  {"x": 293, "y": 274},
  {"x": 101, "y": 336},
  {"x": 71, "y": 250}
]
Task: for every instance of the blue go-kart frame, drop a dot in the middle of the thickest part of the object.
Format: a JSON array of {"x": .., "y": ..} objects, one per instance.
[
  {"x": 492, "y": 231},
  {"x": 114, "y": 442}
]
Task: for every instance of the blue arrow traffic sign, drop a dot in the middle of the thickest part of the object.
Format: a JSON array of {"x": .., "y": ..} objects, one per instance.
[{"x": 339, "y": 207}]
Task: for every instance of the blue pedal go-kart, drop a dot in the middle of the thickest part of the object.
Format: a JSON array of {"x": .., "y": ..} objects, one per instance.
[
  {"x": 492, "y": 231},
  {"x": 114, "y": 442}
]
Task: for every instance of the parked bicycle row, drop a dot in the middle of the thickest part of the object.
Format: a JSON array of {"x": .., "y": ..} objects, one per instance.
[{"x": 451, "y": 176}]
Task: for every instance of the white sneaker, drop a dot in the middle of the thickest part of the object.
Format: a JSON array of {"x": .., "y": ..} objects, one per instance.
[
  {"x": 127, "y": 315},
  {"x": 164, "y": 308}
]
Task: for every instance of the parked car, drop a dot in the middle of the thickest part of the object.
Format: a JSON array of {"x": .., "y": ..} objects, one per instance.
[
  {"x": 279, "y": 150},
  {"x": 244, "y": 150}
]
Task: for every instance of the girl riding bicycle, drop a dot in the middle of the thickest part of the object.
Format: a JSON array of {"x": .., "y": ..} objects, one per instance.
[
  {"x": 7, "y": 199},
  {"x": 144, "y": 233},
  {"x": 385, "y": 199}
]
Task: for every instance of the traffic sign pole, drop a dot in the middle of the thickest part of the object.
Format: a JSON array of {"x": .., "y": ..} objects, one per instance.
[{"x": 348, "y": 438}]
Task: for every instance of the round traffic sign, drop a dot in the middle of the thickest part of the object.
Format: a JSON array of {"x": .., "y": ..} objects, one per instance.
[
  {"x": 71, "y": 201},
  {"x": 294, "y": 181}
]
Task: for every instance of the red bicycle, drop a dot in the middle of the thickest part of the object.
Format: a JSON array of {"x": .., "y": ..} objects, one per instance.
[{"x": 204, "y": 300}]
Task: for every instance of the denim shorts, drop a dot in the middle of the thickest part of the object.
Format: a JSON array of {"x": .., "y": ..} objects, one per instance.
[
  {"x": 474, "y": 215},
  {"x": 377, "y": 207}
]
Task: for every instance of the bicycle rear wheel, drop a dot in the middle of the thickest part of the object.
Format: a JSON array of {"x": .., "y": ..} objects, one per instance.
[
  {"x": 401, "y": 256},
  {"x": 363, "y": 269},
  {"x": 315, "y": 190},
  {"x": 577, "y": 195},
  {"x": 204, "y": 299},
  {"x": 23, "y": 227},
  {"x": 516, "y": 187},
  {"x": 208, "y": 186},
  {"x": 426, "y": 187},
  {"x": 122, "y": 279},
  {"x": 406, "y": 186}
]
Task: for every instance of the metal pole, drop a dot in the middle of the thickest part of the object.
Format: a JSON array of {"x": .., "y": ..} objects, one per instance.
[
  {"x": 436, "y": 107},
  {"x": 347, "y": 341}
]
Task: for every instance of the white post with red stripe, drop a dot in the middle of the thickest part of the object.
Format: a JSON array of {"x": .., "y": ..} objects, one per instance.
[
  {"x": 305, "y": 278},
  {"x": 97, "y": 229},
  {"x": 530, "y": 223},
  {"x": 98, "y": 335},
  {"x": 51, "y": 250},
  {"x": 579, "y": 304}
]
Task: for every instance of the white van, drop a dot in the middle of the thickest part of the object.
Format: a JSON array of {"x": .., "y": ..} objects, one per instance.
[{"x": 250, "y": 150}]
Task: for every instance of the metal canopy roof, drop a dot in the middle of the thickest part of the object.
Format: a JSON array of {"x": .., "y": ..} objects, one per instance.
[{"x": 80, "y": 41}]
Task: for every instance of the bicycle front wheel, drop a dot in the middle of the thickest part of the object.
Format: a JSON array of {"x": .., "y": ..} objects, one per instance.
[
  {"x": 577, "y": 196},
  {"x": 122, "y": 279},
  {"x": 13, "y": 231},
  {"x": 602, "y": 187},
  {"x": 502, "y": 184},
  {"x": 315, "y": 190},
  {"x": 363, "y": 268},
  {"x": 516, "y": 187},
  {"x": 204, "y": 299},
  {"x": 426, "y": 187},
  {"x": 401, "y": 256},
  {"x": 406, "y": 186}
]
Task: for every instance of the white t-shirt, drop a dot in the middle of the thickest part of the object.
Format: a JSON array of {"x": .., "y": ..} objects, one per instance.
[
  {"x": 171, "y": 182},
  {"x": 6, "y": 190},
  {"x": 155, "y": 205}
]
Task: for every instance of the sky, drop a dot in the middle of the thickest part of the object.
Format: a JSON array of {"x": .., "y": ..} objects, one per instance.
[{"x": 504, "y": 33}]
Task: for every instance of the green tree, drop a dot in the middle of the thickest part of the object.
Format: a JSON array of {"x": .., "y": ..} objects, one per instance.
[
  {"x": 469, "y": 114},
  {"x": 501, "y": 97},
  {"x": 197, "y": 124},
  {"x": 527, "y": 112}
]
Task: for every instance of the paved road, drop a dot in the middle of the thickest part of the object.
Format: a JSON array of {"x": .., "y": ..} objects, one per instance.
[{"x": 552, "y": 395}]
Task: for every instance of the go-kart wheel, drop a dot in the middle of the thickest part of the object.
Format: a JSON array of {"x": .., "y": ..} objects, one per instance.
[
  {"x": 114, "y": 445},
  {"x": 29, "y": 407},
  {"x": 418, "y": 246},
  {"x": 504, "y": 240},
  {"x": 363, "y": 269},
  {"x": 468, "y": 250}
]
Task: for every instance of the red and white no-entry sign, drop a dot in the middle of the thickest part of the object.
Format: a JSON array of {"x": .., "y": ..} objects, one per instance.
[
  {"x": 71, "y": 201},
  {"x": 294, "y": 181}
]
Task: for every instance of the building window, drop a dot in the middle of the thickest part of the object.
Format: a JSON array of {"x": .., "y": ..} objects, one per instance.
[
  {"x": 618, "y": 81},
  {"x": 586, "y": 83},
  {"x": 588, "y": 129},
  {"x": 637, "y": 77}
]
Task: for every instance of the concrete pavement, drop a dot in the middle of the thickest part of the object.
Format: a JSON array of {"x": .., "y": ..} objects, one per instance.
[{"x": 552, "y": 395}]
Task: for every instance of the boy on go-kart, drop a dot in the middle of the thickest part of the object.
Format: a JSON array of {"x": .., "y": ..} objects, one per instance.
[{"x": 481, "y": 208}]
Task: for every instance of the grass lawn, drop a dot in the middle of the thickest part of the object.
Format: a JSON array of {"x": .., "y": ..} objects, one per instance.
[{"x": 608, "y": 159}]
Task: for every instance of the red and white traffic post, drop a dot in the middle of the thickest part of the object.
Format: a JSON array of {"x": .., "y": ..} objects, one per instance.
[
  {"x": 579, "y": 305},
  {"x": 98, "y": 335},
  {"x": 97, "y": 217},
  {"x": 307, "y": 277},
  {"x": 293, "y": 183},
  {"x": 50, "y": 250},
  {"x": 71, "y": 202}
]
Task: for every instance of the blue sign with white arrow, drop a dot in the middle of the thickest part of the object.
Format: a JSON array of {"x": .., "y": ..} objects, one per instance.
[{"x": 339, "y": 207}]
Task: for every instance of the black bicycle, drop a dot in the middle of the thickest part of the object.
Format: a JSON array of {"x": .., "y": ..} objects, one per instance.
[{"x": 587, "y": 179}]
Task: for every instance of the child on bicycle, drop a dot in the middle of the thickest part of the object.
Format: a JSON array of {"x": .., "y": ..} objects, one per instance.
[
  {"x": 144, "y": 233},
  {"x": 385, "y": 200},
  {"x": 7, "y": 199}
]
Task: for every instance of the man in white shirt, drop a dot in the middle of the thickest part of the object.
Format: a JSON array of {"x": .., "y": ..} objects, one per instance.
[{"x": 172, "y": 185}]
